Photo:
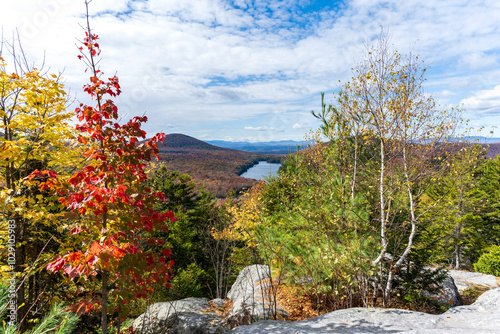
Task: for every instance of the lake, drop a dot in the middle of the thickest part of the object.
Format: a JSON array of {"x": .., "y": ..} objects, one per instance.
[{"x": 261, "y": 170}]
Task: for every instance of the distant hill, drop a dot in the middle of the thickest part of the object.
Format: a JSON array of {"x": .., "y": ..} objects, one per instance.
[
  {"x": 493, "y": 150},
  {"x": 492, "y": 145},
  {"x": 219, "y": 168},
  {"x": 290, "y": 146},
  {"x": 177, "y": 140},
  {"x": 482, "y": 140},
  {"x": 271, "y": 147}
]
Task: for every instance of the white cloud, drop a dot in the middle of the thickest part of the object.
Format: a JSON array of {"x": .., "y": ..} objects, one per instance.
[
  {"x": 445, "y": 93},
  {"x": 478, "y": 60},
  {"x": 484, "y": 101},
  {"x": 301, "y": 126},
  {"x": 259, "y": 128},
  {"x": 169, "y": 125},
  {"x": 264, "y": 136},
  {"x": 269, "y": 55}
]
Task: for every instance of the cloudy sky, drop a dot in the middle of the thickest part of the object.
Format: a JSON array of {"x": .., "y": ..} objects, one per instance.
[{"x": 252, "y": 70}]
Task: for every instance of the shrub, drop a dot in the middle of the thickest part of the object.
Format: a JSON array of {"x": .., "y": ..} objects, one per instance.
[
  {"x": 57, "y": 321},
  {"x": 188, "y": 283},
  {"x": 489, "y": 263}
]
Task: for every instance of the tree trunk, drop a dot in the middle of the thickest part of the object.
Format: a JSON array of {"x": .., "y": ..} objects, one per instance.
[
  {"x": 104, "y": 302},
  {"x": 119, "y": 320},
  {"x": 104, "y": 288},
  {"x": 457, "y": 257},
  {"x": 413, "y": 218},
  {"x": 382, "y": 206},
  {"x": 20, "y": 262}
]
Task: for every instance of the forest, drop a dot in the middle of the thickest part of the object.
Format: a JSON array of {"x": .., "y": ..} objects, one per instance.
[
  {"x": 217, "y": 169},
  {"x": 98, "y": 223}
]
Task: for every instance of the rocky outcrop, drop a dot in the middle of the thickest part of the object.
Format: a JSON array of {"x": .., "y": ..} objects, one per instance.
[
  {"x": 448, "y": 293},
  {"x": 252, "y": 296},
  {"x": 186, "y": 316},
  {"x": 464, "y": 279},
  {"x": 252, "y": 300},
  {"x": 482, "y": 317}
]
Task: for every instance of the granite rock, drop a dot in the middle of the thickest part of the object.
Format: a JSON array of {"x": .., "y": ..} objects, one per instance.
[
  {"x": 186, "y": 316},
  {"x": 482, "y": 317}
]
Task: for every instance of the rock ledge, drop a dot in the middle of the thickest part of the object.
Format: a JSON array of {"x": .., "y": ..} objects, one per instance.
[{"x": 482, "y": 317}]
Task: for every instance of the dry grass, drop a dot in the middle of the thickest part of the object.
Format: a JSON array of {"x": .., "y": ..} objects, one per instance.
[
  {"x": 471, "y": 294},
  {"x": 224, "y": 311},
  {"x": 298, "y": 305}
]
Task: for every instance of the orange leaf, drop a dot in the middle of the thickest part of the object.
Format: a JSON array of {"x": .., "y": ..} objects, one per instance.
[{"x": 95, "y": 248}]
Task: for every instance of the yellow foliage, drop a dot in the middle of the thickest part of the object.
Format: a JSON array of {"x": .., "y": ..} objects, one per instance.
[
  {"x": 245, "y": 215},
  {"x": 35, "y": 134}
]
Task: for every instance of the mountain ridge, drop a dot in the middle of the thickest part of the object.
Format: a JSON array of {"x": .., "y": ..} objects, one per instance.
[
  {"x": 269, "y": 147},
  {"x": 179, "y": 140},
  {"x": 218, "y": 168}
]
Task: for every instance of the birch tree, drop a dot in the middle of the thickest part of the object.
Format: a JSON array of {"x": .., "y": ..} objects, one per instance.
[{"x": 397, "y": 132}]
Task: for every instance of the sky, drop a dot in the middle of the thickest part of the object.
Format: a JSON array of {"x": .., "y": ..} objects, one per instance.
[{"x": 252, "y": 70}]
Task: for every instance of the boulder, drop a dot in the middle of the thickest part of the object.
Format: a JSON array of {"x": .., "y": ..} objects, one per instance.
[
  {"x": 448, "y": 293},
  {"x": 252, "y": 296},
  {"x": 482, "y": 317},
  {"x": 186, "y": 316}
]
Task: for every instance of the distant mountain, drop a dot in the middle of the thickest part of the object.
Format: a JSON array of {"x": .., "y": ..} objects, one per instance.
[
  {"x": 177, "y": 140},
  {"x": 491, "y": 145},
  {"x": 217, "y": 167},
  {"x": 482, "y": 140},
  {"x": 271, "y": 147}
]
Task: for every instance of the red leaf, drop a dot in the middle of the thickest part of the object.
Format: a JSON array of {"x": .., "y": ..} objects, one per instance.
[
  {"x": 74, "y": 257},
  {"x": 118, "y": 252},
  {"x": 35, "y": 173},
  {"x": 70, "y": 271},
  {"x": 50, "y": 173},
  {"x": 56, "y": 265},
  {"x": 92, "y": 260},
  {"x": 98, "y": 198},
  {"x": 167, "y": 252},
  {"x": 75, "y": 230}
]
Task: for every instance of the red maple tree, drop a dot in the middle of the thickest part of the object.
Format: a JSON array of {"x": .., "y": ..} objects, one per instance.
[{"x": 109, "y": 201}]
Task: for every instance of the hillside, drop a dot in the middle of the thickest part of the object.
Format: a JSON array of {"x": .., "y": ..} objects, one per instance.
[
  {"x": 493, "y": 150},
  {"x": 219, "y": 168},
  {"x": 186, "y": 143}
]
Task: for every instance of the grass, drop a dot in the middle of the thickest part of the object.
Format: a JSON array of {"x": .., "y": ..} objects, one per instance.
[{"x": 471, "y": 294}]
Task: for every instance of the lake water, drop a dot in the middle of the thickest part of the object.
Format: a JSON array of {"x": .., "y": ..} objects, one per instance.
[{"x": 261, "y": 170}]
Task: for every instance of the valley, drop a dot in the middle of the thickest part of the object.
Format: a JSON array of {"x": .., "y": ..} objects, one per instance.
[{"x": 216, "y": 167}]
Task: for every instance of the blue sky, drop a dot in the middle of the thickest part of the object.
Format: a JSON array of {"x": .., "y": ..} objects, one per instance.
[{"x": 248, "y": 70}]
